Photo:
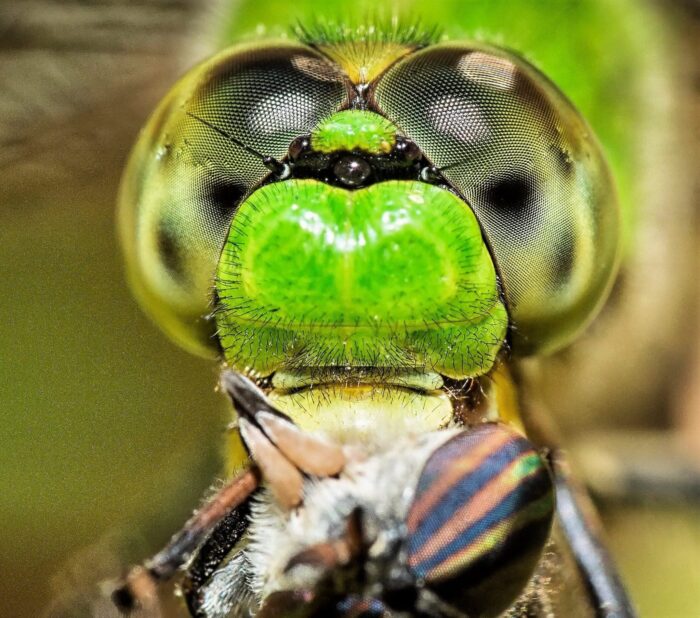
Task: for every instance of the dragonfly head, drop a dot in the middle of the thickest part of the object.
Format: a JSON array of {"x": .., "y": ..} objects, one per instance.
[{"x": 293, "y": 203}]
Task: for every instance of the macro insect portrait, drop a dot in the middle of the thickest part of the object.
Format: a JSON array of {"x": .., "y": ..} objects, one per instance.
[{"x": 437, "y": 261}]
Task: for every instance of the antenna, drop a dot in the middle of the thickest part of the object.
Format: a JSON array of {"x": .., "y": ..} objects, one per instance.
[{"x": 281, "y": 169}]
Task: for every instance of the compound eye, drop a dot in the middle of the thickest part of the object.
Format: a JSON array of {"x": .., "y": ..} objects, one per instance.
[
  {"x": 481, "y": 516},
  {"x": 523, "y": 158},
  {"x": 201, "y": 153}
]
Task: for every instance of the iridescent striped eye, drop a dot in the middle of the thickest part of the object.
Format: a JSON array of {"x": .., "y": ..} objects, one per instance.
[{"x": 480, "y": 518}]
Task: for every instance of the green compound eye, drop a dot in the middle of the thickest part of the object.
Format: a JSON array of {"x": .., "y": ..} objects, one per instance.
[
  {"x": 528, "y": 165},
  {"x": 185, "y": 180}
]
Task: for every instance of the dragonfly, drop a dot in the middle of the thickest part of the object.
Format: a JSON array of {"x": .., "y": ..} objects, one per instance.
[{"x": 247, "y": 218}]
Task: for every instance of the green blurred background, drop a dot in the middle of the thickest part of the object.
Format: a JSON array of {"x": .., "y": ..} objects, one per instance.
[{"x": 107, "y": 429}]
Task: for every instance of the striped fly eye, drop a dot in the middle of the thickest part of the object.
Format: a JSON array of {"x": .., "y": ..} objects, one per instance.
[{"x": 481, "y": 516}]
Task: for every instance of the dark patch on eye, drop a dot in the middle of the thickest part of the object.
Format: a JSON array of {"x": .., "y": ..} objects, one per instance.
[
  {"x": 512, "y": 195},
  {"x": 563, "y": 263},
  {"x": 170, "y": 252},
  {"x": 563, "y": 158},
  {"x": 225, "y": 198}
]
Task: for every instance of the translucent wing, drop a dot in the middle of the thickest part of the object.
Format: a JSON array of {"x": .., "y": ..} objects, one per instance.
[{"x": 82, "y": 589}]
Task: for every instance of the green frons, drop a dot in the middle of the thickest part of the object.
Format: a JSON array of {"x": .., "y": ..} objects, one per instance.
[{"x": 354, "y": 130}]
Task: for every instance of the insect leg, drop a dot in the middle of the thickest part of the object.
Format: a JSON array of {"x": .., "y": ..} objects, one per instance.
[
  {"x": 283, "y": 452},
  {"x": 210, "y": 557},
  {"x": 582, "y": 529},
  {"x": 139, "y": 584}
]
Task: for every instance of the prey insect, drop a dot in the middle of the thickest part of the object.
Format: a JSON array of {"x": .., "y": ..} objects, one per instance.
[{"x": 371, "y": 228}]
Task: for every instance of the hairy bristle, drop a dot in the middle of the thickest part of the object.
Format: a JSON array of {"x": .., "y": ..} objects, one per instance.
[{"x": 394, "y": 30}]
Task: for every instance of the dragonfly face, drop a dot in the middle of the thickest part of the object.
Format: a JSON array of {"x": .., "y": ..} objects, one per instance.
[
  {"x": 361, "y": 228},
  {"x": 345, "y": 256}
]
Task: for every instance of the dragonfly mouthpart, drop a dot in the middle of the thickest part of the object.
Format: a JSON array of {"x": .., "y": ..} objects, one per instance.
[
  {"x": 316, "y": 377},
  {"x": 371, "y": 407}
]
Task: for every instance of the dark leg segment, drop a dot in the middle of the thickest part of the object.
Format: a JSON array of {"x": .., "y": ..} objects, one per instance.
[
  {"x": 141, "y": 580},
  {"x": 212, "y": 553},
  {"x": 579, "y": 521}
]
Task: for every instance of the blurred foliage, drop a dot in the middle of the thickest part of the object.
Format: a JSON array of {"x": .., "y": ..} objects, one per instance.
[{"x": 658, "y": 552}]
